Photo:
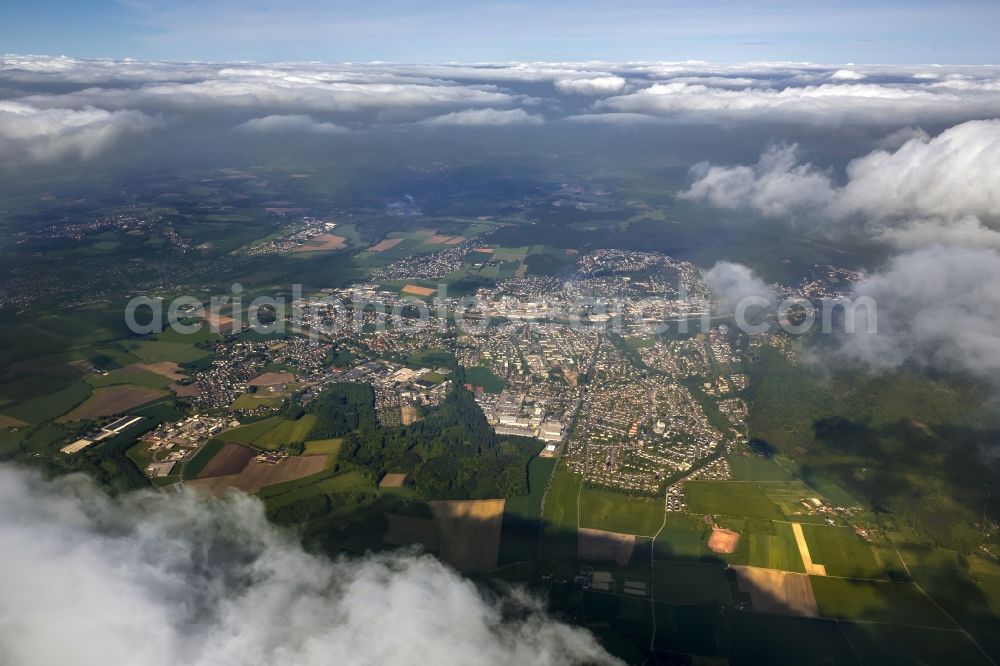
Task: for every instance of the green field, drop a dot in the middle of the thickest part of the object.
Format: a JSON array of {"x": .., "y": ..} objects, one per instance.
[
  {"x": 193, "y": 467},
  {"x": 897, "y": 645},
  {"x": 521, "y": 529},
  {"x": 248, "y": 433},
  {"x": 282, "y": 494},
  {"x": 756, "y": 468},
  {"x": 48, "y": 407},
  {"x": 253, "y": 401},
  {"x": 272, "y": 433},
  {"x": 688, "y": 628},
  {"x": 876, "y": 601},
  {"x": 759, "y": 639},
  {"x": 559, "y": 532},
  {"x": 615, "y": 512},
  {"x": 529, "y": 507},
  {"x": 135, "y": 376},
  {"x": 841, "y": 551},
  {"x": 691, "y": 582},
  {"x": 730, "y": 498},
  {"x": 286, "y": 432},
  {"x": 775, "y": 548},
  {"x": 329, "y": 447},
  {"x": 482, "y": 376},
  {"x": 154, "y": 351}
]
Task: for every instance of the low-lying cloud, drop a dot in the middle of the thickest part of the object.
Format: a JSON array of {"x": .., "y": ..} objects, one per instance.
[
  {"x": 471, "y": 117},
  {"x": 935, "y": 308},
  {"x": 926, "y": 190},
  {"x": 165, "y": 579},
  {"x": 291, "y": 123},
  {"x": 378, "y": 94},
  {"x": 44, "y": 135},
  {"x": 732, "y": 284},
  {"x": 938, "y": 308}
]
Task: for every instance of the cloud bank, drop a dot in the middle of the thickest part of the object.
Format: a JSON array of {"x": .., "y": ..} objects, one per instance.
[
  {"x": 938, "y": 308},
  {"x": 43, "y": 135},
  {"x": 291, "y": 123},
  {"x": 486, "y": 117},
  {"x": 363, "y": 95},
  {"x": 926, "y": 190},
  {"x": 157, "y": 579}
]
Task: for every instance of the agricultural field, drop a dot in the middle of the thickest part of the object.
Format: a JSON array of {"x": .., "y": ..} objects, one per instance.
[
  {"x": 876, "y": 601},
  {"x": 230, "y": 459},
  {"x": 521, "y": 516},
  {"x": 780, "y": 592},
  {"x": 602, "y": 546},
  {"x": 137, "y": 374},
  {"x": 616, "y": 512},
  {"x": 327, "y": 447},
  {"x": 44, "y": 408},
  {"x": 328, "y": 482},
  {"x": 841, "y": 552},
  {"x": 757, "y": 638},
  {"x": 529, "y": 507},
  {"x": 111, "y": 400},
  {"x": 559, "y": 517},
  {"x": 469, "y": 532},
  {"x": 691, "y": 583},
  {"x": 775, "y": 548},
  {"x": 408, "y": 530},
  {"x": 683, "y": 538},
  {"x": 286, "y": 432},
  {"x": 271, "y": 433},
  {"x": 156, "y": 351},
  {"x": 202, "y": 457},
  {"x": 255, "y": 476},
  {"x": 893, "y": 644},
  {"x": 730, "y": 498},
  {"x": 756, "y": 468},
  {"x": 251, "y": 401}
]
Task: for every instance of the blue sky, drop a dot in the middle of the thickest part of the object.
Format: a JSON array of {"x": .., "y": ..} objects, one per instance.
[{"x": 873, "y": 31}]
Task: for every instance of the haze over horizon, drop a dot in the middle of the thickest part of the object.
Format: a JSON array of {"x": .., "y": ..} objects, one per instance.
[{"x": 824, "y": 31}]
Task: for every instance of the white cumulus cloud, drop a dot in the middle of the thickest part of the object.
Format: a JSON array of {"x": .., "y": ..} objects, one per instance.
[
  {"x": 291, "y": 123},
  {"x": 599, "y": 86},
  {"x": 156, "y": 579},
  {"x": 937, "y": 307},
  {"x": 44, "y": 135},
  {"x": 486, "y": 117},
  {"x": 951, "y": 181}
]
